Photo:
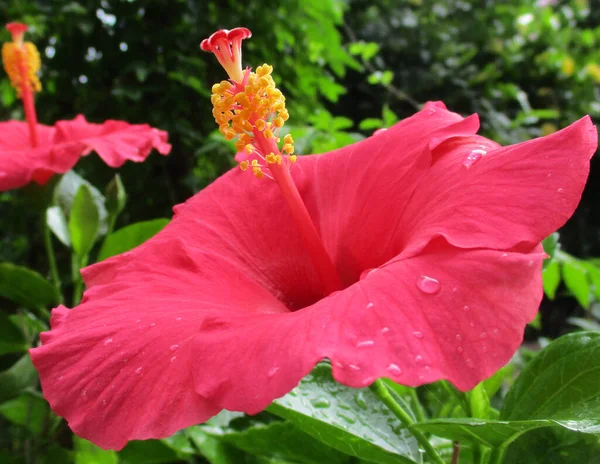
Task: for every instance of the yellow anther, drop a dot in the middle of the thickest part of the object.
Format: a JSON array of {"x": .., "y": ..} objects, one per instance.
[
  {"x": 268, "y": 133},
  {"x": 288, "y": 148},
  {"x": 244, "y": 165},
  {"x": 240, "y": 145},
  {"x": 293, "y": 158},
  {"x": 271, "y": 158},
  {"x": 18, "y": 56},
  {"x": 260, "y": 125},
  {"x": 278, "y": 122},
  {"x": 249, "y": 148},
  {"x": 258, "y": 173},
  {"x": 278, "y": 159},
  {"x": 255, "y": 163},
  {"x": 288, "y": 139}
]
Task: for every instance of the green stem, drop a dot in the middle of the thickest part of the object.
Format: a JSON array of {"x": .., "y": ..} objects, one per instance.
[
  {"x": 76, "y": 264},
  {"x": 417, "y": 404},
  {"x": 384, "y": 395},
  {"x": 52, "y": 259}
]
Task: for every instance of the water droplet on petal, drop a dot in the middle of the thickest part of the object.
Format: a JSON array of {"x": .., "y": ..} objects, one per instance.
[
  {"x": 495, "y": 331},
  {"x": 103, "y": 402},
  {"x": 354, "y": 367},
  {"x": 466, "y": 308},
  {"x": 370, "y": 305},
  {"x": 173, "y": 358},
  {"x": 428, "y": 284},
  {"x": 379, "y": 131},
  {"x": 365, "y": 344},
  {"x": 368, "y": 381},
  {"x": 178, "y": 319},
  {"x": 339, "y": 364},
  {"x": 84, "y": 393},
  {"x": 138, "y": 370},
  {"x": 483, "y": 335},
  {"x": 107, "y": 341},
  {"x": 459, "y": 349},
  {"x": 273, "y": 371},
  {"x": 560, "y": 190},
  {"x": 458, "y": 337},
  {"x": 394, "y": 369},
  {"x": 473, "y": 157},
  {"x": 321, "y": 403},
  {"x": 417, "y": 334},
  {"x": 174, "y": 347},
  {"x": 385, "y": 330},
  {"x": 153, "y": 324},
  {"x": 418, "y": 358},
  {"x": 138, "y": 320}
]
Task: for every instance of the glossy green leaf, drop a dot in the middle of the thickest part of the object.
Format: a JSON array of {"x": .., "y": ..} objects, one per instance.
[
  {"x": 66, "y": 190},
  {"x": 88, "y": 453},
  {"x": 551, "y": 276},
  {"x": 147, "y": 452},
  {"x": 353, "y": 421},
  {"x": 129, "y": 237},
  {"x": 57, "y": 221},
  {"x": 575, "y": 278},
  {"x": 17, "y": 378},
  {"x": 280, "y": 440},
  {"x": 29, "y": 411},
  {"x": 558, "y": 388},
  {"x": 83, "y": 221},
  {"x": 25, "y": 287},
  {"x": 215, "y": 451},
  {"x": 11, "y": 338}
]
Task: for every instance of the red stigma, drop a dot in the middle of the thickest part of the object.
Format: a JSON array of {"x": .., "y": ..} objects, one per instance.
[{"x": 16, "y": 28}]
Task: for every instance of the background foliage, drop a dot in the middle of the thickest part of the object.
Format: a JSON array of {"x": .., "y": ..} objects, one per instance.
[{"x": 347, "y": 68}]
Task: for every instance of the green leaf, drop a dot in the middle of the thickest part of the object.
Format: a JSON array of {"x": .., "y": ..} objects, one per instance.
[
  {"x": 129, "y": 237},
  {"x": 576, "y": 281},
  {"x": 371, "y": 124},
  {"x": 83, "y": 221},
  {"x": 25, "y": 287},
  {"x": 11, "y": 338},
  {"x": 279, "y": 440},
  {"x": 214, "y": 450},
  {"x": 116, "y": 197},
  {"x": 551, "y": 278},
  {"x": 57, "y": 221},
  {"x": 558, "y": 388},
  {"x": 147, "y": 452},
  {"x": 66, "y": 190},
  {"x": 352, "y": 421},
  {"x": 88, "y": 453},
  {"x": 28, "y": 410},
  {"x": 17, "y": 378},
  {"x": 550, "y": 245}
]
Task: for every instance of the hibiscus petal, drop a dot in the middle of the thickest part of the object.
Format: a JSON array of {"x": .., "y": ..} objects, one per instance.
[
  {"x": 114, "y": 141},
  {"x": 356, "y": 195},
  {"x": 511, "y": 195},
  {"x": 382, "y": 326},
  {"x": 19, "y": 163},
  {"x": 119, "y": 366}
]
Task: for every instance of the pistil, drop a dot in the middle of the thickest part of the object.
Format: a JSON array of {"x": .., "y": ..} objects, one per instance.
[
  {"x": 22, "y": 62},
  {"x": 250, "y": 109}
]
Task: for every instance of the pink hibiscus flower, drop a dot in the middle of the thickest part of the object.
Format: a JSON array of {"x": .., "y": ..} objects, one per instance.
[
  {"x": 31, "y": 151},
  {"x": 427, "y": 267}
]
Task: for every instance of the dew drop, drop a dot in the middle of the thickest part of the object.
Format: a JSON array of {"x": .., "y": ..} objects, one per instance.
[
  {"x": 153, "y": 324},
  {"x": 339, "y": 364},
  {"x": 379, "y": 131},
  {"x": 418, "y": 358},
  {"x": 365, "y": 344},
  {"x": 173, "y": 358},
  {"x": 454, "y": 289},
  {"x": 483, "y": 335},
  {"x": 394, "y": 369},
  {"x": 549, "y": 175},
  {"x": 138, "y": 320},
  {"x": 495, "y": 331},
  {"x": 103, "y": 402},
  {"x": 385, "y": 330},
  {"x": 321, "y": 403},
  {"x": 174, "y": 347},
  {"x": 178, "y": 319},
  {"x": 417, "y": 334},
  {"x": 466, "y": 308},
  {"x": 560, "y": 190},
  {"x": 428, "y": 284},
  {"x": 138, "y": 370},
  {"x": 370, "y": 305},
  {"x": 107, "y": 341},
  {"x": 84, "y": 393},
  {"x": 348, "y": 419},
  {"x": 61, "y": 377},
  {"x": 359, "y": 399},
  {"x": 354, "y": 367},
  {"x": 368, "y": 381},
  {"x": 273, "y": 371},
  {"x": 458, "y": 337},
  {"x": 459, "y": 349},
  {"x": 473, "y": 157}
]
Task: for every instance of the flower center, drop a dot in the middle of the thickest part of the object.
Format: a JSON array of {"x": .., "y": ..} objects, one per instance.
[{"x": 251, "y": 109}]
